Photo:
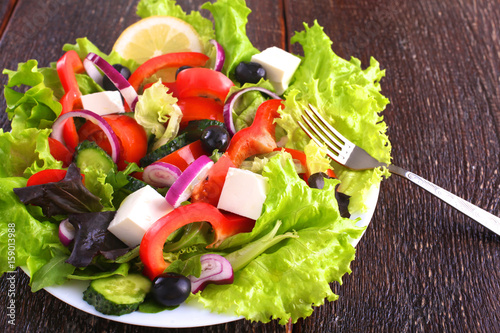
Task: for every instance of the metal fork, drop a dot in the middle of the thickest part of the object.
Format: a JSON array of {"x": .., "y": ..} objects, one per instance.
[{"x": 348, "y": 154}]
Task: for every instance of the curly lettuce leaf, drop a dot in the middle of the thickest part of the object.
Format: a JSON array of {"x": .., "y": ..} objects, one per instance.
[
  {"x": 203, "y": 26},
  {"x": 35, "y": 240},
  {"x": 35, "y": 108},
  {"x": 230, "y": 17},
  {"x": 155, "y": 108},
  {"x": 25, "y": 152},
  {"x": 84, "y": 46},
  {"x": 348, "y": 97}
]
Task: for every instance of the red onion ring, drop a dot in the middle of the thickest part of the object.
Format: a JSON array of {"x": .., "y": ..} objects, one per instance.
[
  {"x": 66, "y": 232},
  {"x": 161, "y": 174},
  {"x": 182, "y": 188},
  {"x": 214, "y": 269},
  {"x": 58, "y": 127},
  {"x": 220, "y": 55},
  {"x": 229, "y": 105},
  {"x": 127, "y": 91}
]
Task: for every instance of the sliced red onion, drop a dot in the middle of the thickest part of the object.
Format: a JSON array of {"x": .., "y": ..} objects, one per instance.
[
  {"x": 229, "y": 106},
  {"x": 66, "y": 232},
  {"x": 161, "y": 174},
  {"x": 220, "y": 55},
  {"x": 214, "y": 269},
  {"x": 58, "y": 126},
  {"x": 182, "y": 188},
  {"x": 127, "y": 91}
]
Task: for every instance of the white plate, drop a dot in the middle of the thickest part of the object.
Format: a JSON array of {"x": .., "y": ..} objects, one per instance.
[{"x": 186, "y": 315}]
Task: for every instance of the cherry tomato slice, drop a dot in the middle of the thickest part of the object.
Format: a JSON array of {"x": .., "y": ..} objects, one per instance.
[
  {"x": 133, "y": 138},
  {"x": 203, "y": 82},
  {"x": 60, "y": 152},
  {"x": 196, "y": 108}
]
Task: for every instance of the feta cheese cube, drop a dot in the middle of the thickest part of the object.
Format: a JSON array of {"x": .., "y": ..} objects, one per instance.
[
  {"x": 104, "y": 102},
  {"x": 243, "y": 193},
  {"x": 137, "y": 213},
  {"x": 279, "y": 65}
]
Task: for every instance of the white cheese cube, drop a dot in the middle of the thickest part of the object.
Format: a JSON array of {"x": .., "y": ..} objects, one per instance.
[
  {"x": 137, "y": 213},
  {"x": 279, "y": 65},
  {"x": 104, "y": 102},
  {"x": 243, "y": 193}
]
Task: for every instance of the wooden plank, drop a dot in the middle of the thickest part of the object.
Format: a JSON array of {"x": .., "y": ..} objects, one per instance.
[{"x": 6, "y": 9}]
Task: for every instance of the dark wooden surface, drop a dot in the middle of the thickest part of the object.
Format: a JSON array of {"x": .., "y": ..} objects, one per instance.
[{"x": 421, "y": 266}]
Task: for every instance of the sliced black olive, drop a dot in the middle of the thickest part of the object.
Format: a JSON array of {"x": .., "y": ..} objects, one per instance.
[{"x": 180, "y": 69}]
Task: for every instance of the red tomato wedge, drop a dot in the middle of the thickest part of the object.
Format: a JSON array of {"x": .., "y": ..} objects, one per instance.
[
  {"x": 203, "y": 82},
  {"x": 60, "y": 152},
  {"x": 48, "y": 176},
  {"x": 197, "y": 108},
  {"x": 133, "y": 138}
]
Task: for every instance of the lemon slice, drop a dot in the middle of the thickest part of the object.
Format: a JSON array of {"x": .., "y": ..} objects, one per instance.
[{"x": 157, "y": 35}]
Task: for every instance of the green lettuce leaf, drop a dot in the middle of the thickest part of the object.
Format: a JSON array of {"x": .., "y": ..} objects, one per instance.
[
  {"x": 155, "y": 108},
  {"x": 35, "y": 241},
  {"x": 25, "y": 152},
  {"x": 348, "y": 97},
  {"x": 230, "y": 18},
  {"x": 202, "y": 25},
  {"x": 55, "y": 272},
  {"x": 83, "y": 47},
  {"x": 36, "y": 108}
]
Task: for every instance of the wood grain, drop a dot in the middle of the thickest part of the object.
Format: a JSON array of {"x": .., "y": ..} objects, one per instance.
[{"x": 421, "y": 267}]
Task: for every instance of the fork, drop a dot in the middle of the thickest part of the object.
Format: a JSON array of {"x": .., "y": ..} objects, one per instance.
[{"x": 353, "y": 157}]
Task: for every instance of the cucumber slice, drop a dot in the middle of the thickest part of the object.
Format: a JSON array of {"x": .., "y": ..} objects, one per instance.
[
  {"x": 117, "y": 295},
  {"x": 89, "y": 154},
  {"x": 168, "y": 148}
]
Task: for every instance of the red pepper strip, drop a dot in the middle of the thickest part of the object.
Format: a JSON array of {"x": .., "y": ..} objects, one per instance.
[
  {"x": 48, "y": 176},
  {"x": 153, "y": 65},
  {"x": 259, "y": 138},
  {"x": 67, "y": 66},
  {"x": 151, "y": 248}
]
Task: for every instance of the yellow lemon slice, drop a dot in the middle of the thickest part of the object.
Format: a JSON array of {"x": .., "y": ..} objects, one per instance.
[{"x": 157, "y": 35}]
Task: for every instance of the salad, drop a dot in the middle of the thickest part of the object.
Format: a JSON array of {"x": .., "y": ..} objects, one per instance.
[{"x": 162, "y": 188}]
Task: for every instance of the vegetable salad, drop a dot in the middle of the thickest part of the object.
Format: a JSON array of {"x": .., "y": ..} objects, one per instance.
[{"x": 68, "y": 174}]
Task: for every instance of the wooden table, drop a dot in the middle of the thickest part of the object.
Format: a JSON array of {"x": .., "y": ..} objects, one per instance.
[{"x": 421, "y": 266}]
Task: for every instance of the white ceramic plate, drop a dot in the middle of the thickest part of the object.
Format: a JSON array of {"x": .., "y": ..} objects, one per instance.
[{"x": 186, "y": 315}]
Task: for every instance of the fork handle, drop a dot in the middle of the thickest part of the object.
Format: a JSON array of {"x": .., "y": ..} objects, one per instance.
[{"x": 488, "y": 220}]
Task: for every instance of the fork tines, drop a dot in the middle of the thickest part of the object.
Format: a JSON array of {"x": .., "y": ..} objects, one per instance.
[{"x": 321, "y": 132}]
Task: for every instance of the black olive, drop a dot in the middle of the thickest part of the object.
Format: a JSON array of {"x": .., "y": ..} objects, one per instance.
[
  {"x": 317, "y": 180},
  {"x": 250, "y": 72},
  {"x": 106, "y": 82},
  {"x": 171, "y": 289},
  {"x": 180, "y": 69},
  {"x": 214, "y": 137}
]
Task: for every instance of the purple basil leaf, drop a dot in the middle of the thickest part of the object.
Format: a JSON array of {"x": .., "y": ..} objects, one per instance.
[
  {"x": 92, "y": 237},
  {"x": 68, "y": 196}
]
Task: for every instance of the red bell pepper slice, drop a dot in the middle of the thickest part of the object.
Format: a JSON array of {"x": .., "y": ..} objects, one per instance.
[
  {"x": 259, "y": 138},
  {"x": 176, "y": 59},
  {"x": 67, "y": 66},
  {"x": 151, "y": 248}
]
